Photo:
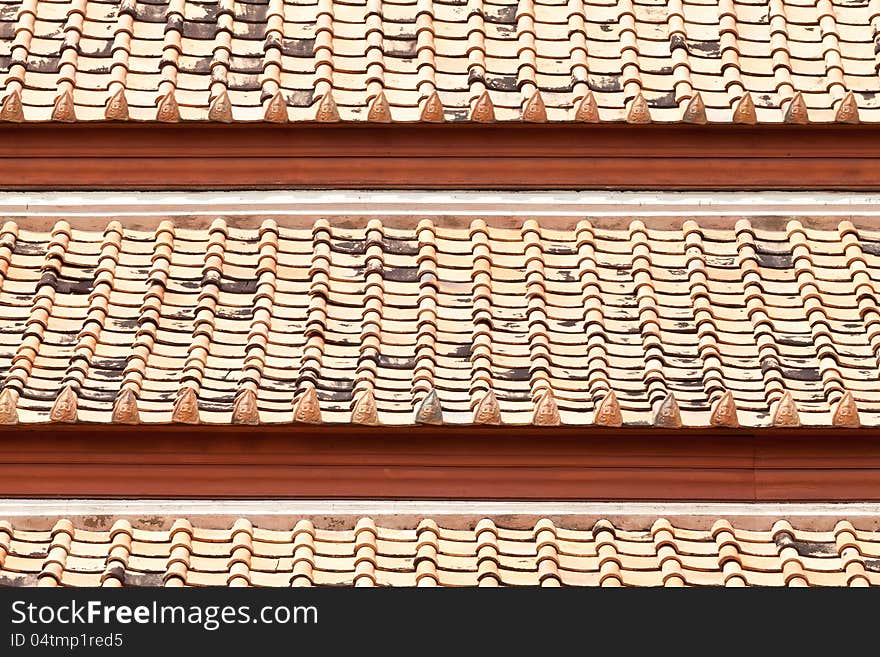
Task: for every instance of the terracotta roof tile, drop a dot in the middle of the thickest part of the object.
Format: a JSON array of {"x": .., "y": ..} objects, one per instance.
[
  {"x": 427, "y": 554},
  {"x": 692, "y": 324},
  {"x": 425, "y": 60}
]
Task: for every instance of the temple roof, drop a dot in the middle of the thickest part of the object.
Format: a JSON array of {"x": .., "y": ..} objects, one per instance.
[
  {"x": 645, "y": 321},
  {"x": 490, "y": 552},
  {"x": 717, "y": 61}
]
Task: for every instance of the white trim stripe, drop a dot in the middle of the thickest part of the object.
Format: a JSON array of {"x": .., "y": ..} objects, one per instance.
[
  {"x": 390, "y": 203},
  {"x": 275, "y": 513}
]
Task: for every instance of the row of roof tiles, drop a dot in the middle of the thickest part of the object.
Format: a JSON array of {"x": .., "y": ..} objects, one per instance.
[
  {"x": 686, "y": 326},
  {"x": 430, "y": 555},
  {"x": 440, "y": 60}
]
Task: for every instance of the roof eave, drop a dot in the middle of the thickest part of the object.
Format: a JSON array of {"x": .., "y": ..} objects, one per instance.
[
  {"x": 145, "y": 156},
  {"x": 526, "y": 463}
]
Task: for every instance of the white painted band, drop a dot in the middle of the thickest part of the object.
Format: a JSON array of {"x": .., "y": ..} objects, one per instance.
[
  {"x": 386, "y": 203},
  {"x": 273, "y": 513}
]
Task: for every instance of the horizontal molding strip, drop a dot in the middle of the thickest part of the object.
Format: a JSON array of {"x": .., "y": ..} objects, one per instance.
[
  {"x": 480, "y": 463},
  {"x": 437, "y": 203},
  {"x": 281, "y": 513},
  {"x": 462, "y": 156}
]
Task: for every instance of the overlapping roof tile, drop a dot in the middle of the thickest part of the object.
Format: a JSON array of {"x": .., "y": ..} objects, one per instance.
[
  {"x": 696, "y": 324},
  {"x": 693, "y": 61},
  {"x": 487, "y": 553}
]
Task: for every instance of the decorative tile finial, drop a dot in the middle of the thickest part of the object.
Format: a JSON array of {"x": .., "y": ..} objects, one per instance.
[
  {"x": 846, "y": 413},
  {"x": 546, "y": 412},
  {"x": 797, "y": 110},
  {"x": 64, "y": 110},
  {"x": 786, "y": 413},
  {"x": 244, "y": 409},
  {"x": 488, "y": 411},
  {"x": 8, "y": 406},
  {"x": 65, "y": 406},
  {"x": 125, "y": 410},
  {"x": 364, "y": 410},
  {"x": 186, "y": 408},
  {"x": 220, "y": 109},
  {"x": 668, "y": 414},
  {"x": 848, "y": 110},
  {"x": 744, "y": 112},
  {"x": 724, "y": 411},
  {"x": 327, "y": 111},
  {"x": 276, "y": 109},
  {"x": 638, "y": 112},
  {"x": 484, "y": 110},
  {"x": 695, "y": 112},
  {"x": 11, "y": 110},
  {"x": 117, "y": 107},
  {"x": 429, "y": 410},
  {"x": 608, "y": 411},
  {"x": 168, "y": 111},
  {"x": 380, "y": 111},
  {"x": 432, "y": 112},
  {"x": 535, "y": 111},
  {"x": 306, "y": 409},
  {"x": 587, "y": 110}
]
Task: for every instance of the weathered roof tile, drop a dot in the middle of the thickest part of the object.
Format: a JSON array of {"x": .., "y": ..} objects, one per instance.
[
  {"x": 679, "y": 61},
  {"x": 689, "y": 324}
]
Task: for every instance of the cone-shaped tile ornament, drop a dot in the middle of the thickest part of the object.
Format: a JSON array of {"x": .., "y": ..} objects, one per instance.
[
  {"x": 668, "y": 414},
  {"x": 8, "y": 406},
  {"x": 848, "y": 110},
  {"x": 797, "y": 110},
  {"x": 488, "y": 411},
  {"x": 432, "y": 112},
  {"x": 484, "y": 111},
  {"x": 846, "y": 414},
  {"x": 64, "y": 110},
  {"x": 65, "y": 406},
  {"x": 11, "y": 110},
  {"x": 724, "y": 411},
  {"x": 186, "y": 408},
  {"x": 695, "y": 112},
  {"x": 117, "y": 107},
  {"x": 276, "y": 109},
  {"x": 786, "y": 413},
  {"x": 638, "y": 110},
  {"x": 546, "y": 412},
  {"x": 535, "y": 111},
  {"x": 365, "y": 411},
  {"x": 244, "y": 410},
  {"x": 744, "y": 112},
  {"x": 306, "y": 409},
  {"x": 380, "y": 112},
  {"x": 587, "y": 110},
  {"x": 428, "y": 410},
  {"x": 125, "y": 409},
  {"x": 608, "y": 411},
  {"x": 327, "y": 111}
]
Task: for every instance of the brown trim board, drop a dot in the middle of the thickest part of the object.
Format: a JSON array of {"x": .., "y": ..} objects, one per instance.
[
  {"x": 499, "y": 463},
  {"x": 459, "y": 156}
]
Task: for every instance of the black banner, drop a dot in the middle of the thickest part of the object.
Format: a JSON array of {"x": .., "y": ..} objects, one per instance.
[{"x": 219, "y": 621}]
